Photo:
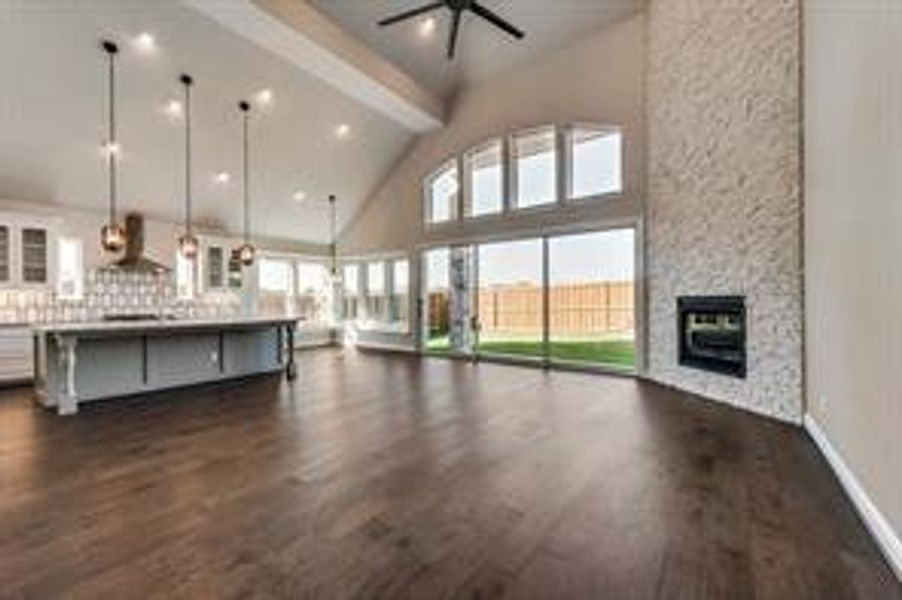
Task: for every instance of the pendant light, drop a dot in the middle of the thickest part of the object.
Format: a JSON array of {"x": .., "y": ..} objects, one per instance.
[
  {"x": 187, "y": 242},
  {"x": 112, "y": 235},
  {"x": 246, "y": 252}
]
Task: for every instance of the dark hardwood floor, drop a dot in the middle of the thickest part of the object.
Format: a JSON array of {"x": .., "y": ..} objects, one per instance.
[{"x": 382, "y": 476}]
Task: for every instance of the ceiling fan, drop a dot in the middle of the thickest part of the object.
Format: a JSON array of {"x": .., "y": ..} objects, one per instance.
[{"x": 457, "y": 8}]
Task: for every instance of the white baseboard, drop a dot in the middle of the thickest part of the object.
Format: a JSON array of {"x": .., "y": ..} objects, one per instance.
[{"x": 888, "y": 540}]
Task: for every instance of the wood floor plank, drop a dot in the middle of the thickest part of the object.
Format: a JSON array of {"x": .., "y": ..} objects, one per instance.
[{"x": 385, "y": 476}]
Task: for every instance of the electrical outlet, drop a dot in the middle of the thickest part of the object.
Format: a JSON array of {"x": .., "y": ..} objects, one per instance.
[
  {"x": 214, "y": 357},
  {"x": 822, "y": 403}
]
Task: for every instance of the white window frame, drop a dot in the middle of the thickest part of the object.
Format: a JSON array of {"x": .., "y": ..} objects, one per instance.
[
  {"x": 455, "y": 209},
  {"x": 185, "y": 289},
  {"x": 569, "y": 163},
  {"x": 346, "y": 298},
  {"x": 513, "y": 168},
  {"x": 467, "y": 178},
  {"x": 78, "y": 290},
  {"x": 392, "y": 293},
  {"x": 323, "y": 316},
  {"x": 380, "y": 323},
  {"x": 291, "y": 288},
  {"x": 376, "y": 317}
]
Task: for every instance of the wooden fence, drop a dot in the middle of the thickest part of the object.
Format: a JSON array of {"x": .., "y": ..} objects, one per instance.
[{"x": 578, "y": 309}]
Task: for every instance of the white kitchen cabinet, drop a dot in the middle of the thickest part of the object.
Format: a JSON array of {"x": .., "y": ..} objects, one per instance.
[
  {"x": 5, "y": 254},
  {"x": 218, "y": 270},
  {"x": 34, "y": 248},
  {"x": 16, "y": 353},
  {"x": 27, "y": 251}
]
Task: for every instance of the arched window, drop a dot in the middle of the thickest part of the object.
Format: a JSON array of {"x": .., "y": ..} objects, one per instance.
[{"x": 539, "y": 168}]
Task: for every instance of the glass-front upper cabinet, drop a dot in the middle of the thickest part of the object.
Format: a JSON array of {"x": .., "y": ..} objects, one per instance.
[
  {"x": 215, "y": 262},
  {"x": 5, "y": 254},
  {"x": 28, "y": 248},
  {"x": 35, "y": 267}
]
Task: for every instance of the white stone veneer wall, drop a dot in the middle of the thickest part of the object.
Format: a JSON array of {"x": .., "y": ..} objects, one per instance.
[{"x": 724, "y": 201}]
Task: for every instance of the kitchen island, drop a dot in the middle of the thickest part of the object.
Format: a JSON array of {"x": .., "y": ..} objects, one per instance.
[{"x": 81, "y": 362}]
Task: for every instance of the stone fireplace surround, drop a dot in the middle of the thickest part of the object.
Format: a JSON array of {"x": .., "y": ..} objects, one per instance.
[{"x": 723, "y": 213}]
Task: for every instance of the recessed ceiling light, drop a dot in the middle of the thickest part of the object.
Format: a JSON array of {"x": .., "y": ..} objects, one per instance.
[
  {"x": 343, "y": 131},
  {"x": 223, "y": 178},
  {"x": 299, "y": 196},
  {"x": 145, "y": 42},
  {"x": 264, "y": 97},
  {"x": 427, "y": 27},
  {"x": 174, "y": 109}
]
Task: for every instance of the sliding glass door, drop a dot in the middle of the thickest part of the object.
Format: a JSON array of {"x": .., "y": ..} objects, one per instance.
[
  {"x": 510, "y": 306},
  {"x": 436, "y": 301},
  {"x": 567, "y": 299},
  {"x": 591, "y": 296},
  {"x": 448, "y": 279}
]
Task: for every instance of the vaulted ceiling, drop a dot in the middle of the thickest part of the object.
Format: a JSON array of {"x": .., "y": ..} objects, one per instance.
[
  {"x": 52, "y": 99},
  {"x": 484, "y": 50},
  {"x": 52, "y": 119}
]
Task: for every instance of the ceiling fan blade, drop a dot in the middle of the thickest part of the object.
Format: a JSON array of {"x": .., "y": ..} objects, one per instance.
[
  {"x": 495, "y": 20},
  {"x": 410, "y": 14},
  {"x": 455, "y": 30}
]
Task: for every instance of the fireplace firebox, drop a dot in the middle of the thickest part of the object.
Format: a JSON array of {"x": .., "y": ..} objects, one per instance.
[{"x": 712, "y": 333}]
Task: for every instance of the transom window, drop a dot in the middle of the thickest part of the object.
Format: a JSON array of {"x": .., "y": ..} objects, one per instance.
[
  {"x": 594, "y": 165},
  {"x": 442, "y": 194},
  {"x": 484, "y": 178},
  {"x": 535, "y": 160},
  {"x": 537, "y": 168}
]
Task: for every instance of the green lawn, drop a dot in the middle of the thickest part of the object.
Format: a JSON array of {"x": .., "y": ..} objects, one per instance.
[{"x": 618, "y": 353}]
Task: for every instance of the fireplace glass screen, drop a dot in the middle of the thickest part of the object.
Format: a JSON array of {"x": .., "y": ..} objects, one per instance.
[{"x": 712, "y": 333}]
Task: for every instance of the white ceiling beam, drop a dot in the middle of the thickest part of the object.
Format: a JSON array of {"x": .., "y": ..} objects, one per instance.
[{"x": 297, "y": 32}]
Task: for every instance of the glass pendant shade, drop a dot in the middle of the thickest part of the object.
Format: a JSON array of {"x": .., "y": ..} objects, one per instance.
[
  {"x": 112, "y": 237},
  {"x": 246, "y": 254},
  {"x": 188, "y": 246}
]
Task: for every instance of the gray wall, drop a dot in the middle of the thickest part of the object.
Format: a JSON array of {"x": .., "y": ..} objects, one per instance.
[
  {"x": 724, "y": 203},
  {"x": 853, "y": 238}
]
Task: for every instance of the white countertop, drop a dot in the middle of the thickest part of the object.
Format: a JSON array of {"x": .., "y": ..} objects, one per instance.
[{"x": 162, "y": 324}]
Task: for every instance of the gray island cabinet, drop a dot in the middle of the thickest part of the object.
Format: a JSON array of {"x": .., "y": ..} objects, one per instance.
[{"x": 80, "y": 362}]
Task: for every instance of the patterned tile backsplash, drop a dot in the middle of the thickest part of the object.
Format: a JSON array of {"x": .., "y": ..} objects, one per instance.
[{"x": 112, "y": 292}]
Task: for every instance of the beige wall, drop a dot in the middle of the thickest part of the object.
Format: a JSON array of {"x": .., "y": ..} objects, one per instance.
[
  {"x": 853, "y": 238},
  {"x": 724, "y": 203},
  {"x": 598, "y": 79}
]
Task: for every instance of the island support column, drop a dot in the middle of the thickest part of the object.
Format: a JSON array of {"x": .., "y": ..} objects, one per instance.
[
  {"x": 291, "y": 372},
  {"x": 68, "y": 399}
]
